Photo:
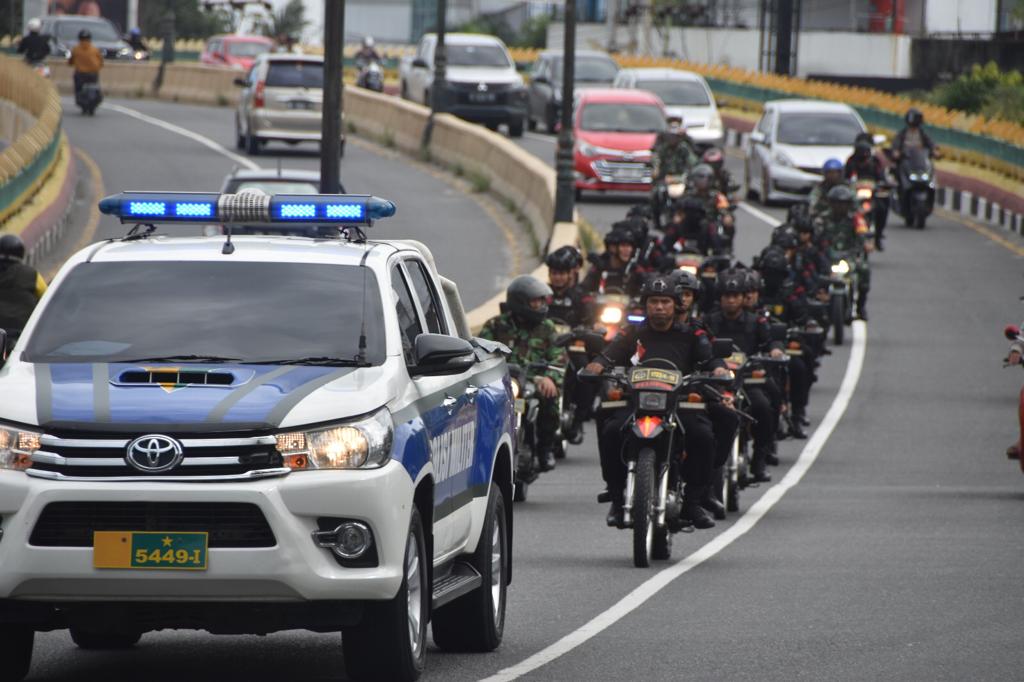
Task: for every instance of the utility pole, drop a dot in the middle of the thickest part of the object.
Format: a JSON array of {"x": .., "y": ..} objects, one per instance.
[
  {"x": 784, "y": 37},
  {"x": 611, "y": 22},
  {"x": 565, "y": 189},
  {"x": 330, "y": 125},
  {"x": 439, "y": 86}
]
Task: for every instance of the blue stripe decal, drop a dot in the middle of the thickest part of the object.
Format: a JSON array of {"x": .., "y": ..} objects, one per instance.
[
  {"x": 411, "y": 447},
  {"x": 72, "y": 392}
]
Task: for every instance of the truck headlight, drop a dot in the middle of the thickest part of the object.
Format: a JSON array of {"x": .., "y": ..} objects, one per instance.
[
  {"x": 362, "y": 444},
  {"x": 16, "y": 448},
  {"x": 841, "y": 268}
]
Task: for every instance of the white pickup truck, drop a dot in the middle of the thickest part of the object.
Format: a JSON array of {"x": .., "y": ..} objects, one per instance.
[
  {"x": 482, "y": 84},
  {"x": 254, "y": 434}
]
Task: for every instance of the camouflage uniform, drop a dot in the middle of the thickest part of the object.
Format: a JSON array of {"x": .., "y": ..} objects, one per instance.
[
  {"x": 818, "y": 200},
  {"x": 848, "y": 234},
  {"x": 672, "y": 155},
  {"x": 536, "y": 344}
]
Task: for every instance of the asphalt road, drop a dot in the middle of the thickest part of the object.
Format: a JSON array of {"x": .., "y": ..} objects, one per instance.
[{"x": 896, "y": 556}]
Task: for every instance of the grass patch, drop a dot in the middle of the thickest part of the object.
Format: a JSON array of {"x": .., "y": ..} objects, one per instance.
[
  {"x": 352, "y": 127},
  {"x": 388, "y": 139},
  {"x": 479, "y": 182},
  {"x": 222, "y": 100},
  {"x": 425, "y": 155},
  {"x": 458, "y": 170}
]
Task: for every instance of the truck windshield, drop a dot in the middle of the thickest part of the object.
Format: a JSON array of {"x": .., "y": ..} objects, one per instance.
[
  {"x": 235, "y": 311},
  {"x": 477, "y": 55}
]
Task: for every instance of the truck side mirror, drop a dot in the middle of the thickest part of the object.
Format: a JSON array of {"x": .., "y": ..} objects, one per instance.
[
  {"x": 419, "y": 63},
  {"x": 440, "y": 354}
]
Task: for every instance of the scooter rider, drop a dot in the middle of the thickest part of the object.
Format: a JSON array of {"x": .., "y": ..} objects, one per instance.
[
  {"x": 135, "y": 40},
  {"x": 615, "y": 268},
  {"x": 21, "y": 286},
  {"x": 660, "y": 336},
  {"x": 367, "y": 53},
  {"x": 863, "y": 164},
  {"x": 714, "y": 157},
  {"x": 86, "y": 60},
  {"x": 34, "y": 45},
  {"x": 913, "y": 135},
  {"x": 845, "y": 230},
  {"x": 523, "y": 326},
  {"x": 833, "y": 172},
  {"x": 751, "y": 334}
]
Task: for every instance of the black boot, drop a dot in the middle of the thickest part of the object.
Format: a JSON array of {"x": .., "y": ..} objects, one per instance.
[
  {"x": 546, "y": 459},
  {"x": 614, "y": 518},
  {"x": 862, "y": 305},
  {"x": 796, "y": 429},
  {"x": 692, "y": 509},
  {"x": 710, "y": 500},
  {"x": 758, "y": 472},
  {"x": 772, "y": 458}
]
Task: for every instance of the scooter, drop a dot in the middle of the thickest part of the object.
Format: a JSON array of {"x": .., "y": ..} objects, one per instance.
[
  {"x": 371, "y": 76},
  {"x": 1013, "y": 333},
  {"x": 88, "y": 98},
  {"x": 916, "y": 178}
]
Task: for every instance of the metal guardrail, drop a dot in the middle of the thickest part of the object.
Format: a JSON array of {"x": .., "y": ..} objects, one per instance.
[{"x": 28, "y": 159}]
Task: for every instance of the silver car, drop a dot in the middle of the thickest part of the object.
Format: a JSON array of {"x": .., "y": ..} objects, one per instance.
[
  {"x": 685, "y": 94},
  {"x": 281, "y": 99},
  {"x": 275, "y": 181},
  {"x": 792, "y": 141}
]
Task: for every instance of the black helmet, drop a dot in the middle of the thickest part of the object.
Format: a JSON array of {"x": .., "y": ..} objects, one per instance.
[
  {"x": 914, "y": 117},
  {"x": 686, "y": 281},
  {"x": 862, "y": 147},
  {"x": 754, "y": 281},
  {"x": 520, "y": 292},
  {"x": 840, "y": 194},
  {"x": 11, "y": 247},
  {"x": 618, "y": 235},
  {"x": 564, "y": 258},
  {"x": 659, "y": 285},
  {"x": 702, "y": 172},
  {"x": 85, "y": 34},
  {"x": 635, "y": 227},
  {"x": 732, "y": 282},
  {"x": 773, "y": 259},
  {"x": 785, "y": 239}
]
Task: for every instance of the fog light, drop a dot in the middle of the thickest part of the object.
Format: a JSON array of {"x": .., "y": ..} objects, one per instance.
[{"x": 349, "y": 540}]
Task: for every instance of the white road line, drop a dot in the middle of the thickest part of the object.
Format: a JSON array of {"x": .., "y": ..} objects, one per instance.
[
  {"x": 184, "y": 132},
  {"x": 743, "y": 524},
  {"x": 760, "y": 215},
  {"x": 541, "y": 138}
]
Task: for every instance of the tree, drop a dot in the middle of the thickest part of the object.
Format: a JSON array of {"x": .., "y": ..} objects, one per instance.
[
  {"x": 190, "y": 20},
  {"x": 288, "y": 21}
]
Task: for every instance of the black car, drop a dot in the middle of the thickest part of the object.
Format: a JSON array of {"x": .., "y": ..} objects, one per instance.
[
  {"x": 63, "y": 31},
  {"x": 593, "y": 70}
]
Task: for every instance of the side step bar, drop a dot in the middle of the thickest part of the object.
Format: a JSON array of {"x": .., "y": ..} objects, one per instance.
[{"x": 462, "y": 580}]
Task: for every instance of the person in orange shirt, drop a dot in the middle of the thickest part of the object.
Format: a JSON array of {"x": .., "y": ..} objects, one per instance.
[{"x": 86, "y": 60}]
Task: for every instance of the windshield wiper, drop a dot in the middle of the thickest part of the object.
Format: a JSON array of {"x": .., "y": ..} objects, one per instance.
[
  {"x": 182, "y": 358},
  {"x": 324, "y": 361}
]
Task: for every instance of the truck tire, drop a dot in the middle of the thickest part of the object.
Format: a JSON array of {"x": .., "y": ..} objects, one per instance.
[
  {"x": 515, "y": 128},
  {"x": 15, "y": 652},
  {"x": 391, "y": 641},
  {"x": 476, "y": 622},
  {"x": 86, "y": 639}
]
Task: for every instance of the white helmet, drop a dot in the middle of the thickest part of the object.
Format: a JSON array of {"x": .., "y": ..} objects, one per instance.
[
  {"x": 368, "y": 41},
  {"x": 34, "y": 25}
]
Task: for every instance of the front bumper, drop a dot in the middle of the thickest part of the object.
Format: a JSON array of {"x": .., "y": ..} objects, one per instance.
[
  {"x": 285, "y": 125},
  {"x": 706, "y": 137},
  {"x": 293, "y": 570},
  {"x": 612, "y": 175},
  {"x": 792, "y": 183},
  {"x": 488, "y": 113}
]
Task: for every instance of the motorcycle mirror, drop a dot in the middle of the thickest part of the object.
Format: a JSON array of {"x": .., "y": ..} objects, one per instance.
[
  {"x": 1011, "y": 332},
  {"x": 721, "y": 348}
]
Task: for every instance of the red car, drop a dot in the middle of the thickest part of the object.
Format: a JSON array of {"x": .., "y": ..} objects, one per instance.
[
  {"x": 236, "y": 52},
  {"x": 614, "y": 131}
]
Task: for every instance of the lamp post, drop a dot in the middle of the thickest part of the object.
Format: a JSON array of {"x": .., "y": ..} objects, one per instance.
[
  {"x": 565, "y": 191},
  {"x": 438, "y": 88},
  {"x": 330, "y": 125}
]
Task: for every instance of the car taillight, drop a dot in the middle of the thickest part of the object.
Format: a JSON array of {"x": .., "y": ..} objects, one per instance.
[{"x": 257, "y": 95}]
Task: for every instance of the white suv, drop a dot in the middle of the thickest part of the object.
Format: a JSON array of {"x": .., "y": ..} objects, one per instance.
[{"x": 255, "y": 434}]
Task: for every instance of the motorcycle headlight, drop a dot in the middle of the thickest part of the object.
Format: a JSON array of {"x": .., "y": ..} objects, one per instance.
[
  {"x": 841, "y": 268},
  {"x": 611, "y": 315},
  {"x": 864, "y": 193},
  {"x": 362, "y": 444},
  {"x": 924, "y": 176},
  {"x": 914, "y": 177},
  {"x": 16, "y": 448},
  {"x": 650, "y": 400},
  {"x": 124, "y": 52}
]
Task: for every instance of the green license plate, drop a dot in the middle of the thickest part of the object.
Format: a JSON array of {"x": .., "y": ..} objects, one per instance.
[{"x": 147, "y": 550}]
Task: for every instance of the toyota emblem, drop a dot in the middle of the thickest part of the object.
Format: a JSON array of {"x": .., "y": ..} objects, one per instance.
[
  {"x": 153, "y": 454},
  {"x": 482, "y": 87}
]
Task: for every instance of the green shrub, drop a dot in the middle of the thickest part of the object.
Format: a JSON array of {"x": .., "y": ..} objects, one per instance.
[{"x": 985, "y": 90}]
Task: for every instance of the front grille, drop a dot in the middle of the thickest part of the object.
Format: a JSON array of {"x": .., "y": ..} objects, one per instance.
[
  {"x": 230, "y": 524},
  {"x": 470, "y": 93},
  {"x": 106, "y": 457},
  {"x": 622, "y": 172}
]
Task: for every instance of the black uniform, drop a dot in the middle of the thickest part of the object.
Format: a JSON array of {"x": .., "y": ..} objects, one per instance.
[
  {"x": 572, "y": 306},
  {"x": 602, "y": 276},
  {"x": 18, "y": 295},
  {"x": 686, "y": 347},
  {"x": 751, "y": 334},
  {"x": 35, "y": 47}
]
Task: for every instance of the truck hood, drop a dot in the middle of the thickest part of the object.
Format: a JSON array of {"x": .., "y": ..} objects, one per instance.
[{"x": 105, "y": 397}]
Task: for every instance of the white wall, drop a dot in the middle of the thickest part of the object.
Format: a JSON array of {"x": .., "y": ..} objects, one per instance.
[
  {"x": 831, "y": 53},
  {"x": 960, "y": 15},
  {"x": 387, "y": 22}
]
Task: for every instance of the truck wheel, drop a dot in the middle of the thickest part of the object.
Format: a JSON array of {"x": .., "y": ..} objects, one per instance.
[
  {"x": 86, "y": 639},
  {"x": 515, "y": 128},
  {"x": 15, "y": 651},
  {"x": 391, "y": 642},
  {"x": 476, "y": 621}
]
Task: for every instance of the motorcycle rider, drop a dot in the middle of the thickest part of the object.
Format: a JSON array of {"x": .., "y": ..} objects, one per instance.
[
  {"x": 660, "y": 336},
  {"x": 367, "y": 52},
  {"x": 34, "y": 45},
  {"x": 716, "y": 206},
  {"x": 568, "y": 302},
  {"x": 673, "y": 150},
  {"x": 21, "y": 286},
  {"x": 714, "y": 157},
  {"x": 864, "y": 165},
  {"x": 615, "y": 268},
  {"x": 1014, "y": 358},
  {"x": 524, "y": 327},
  {"x": 750, "y": 333},
  {"x": 833, "y": 172},
  {"x": 844, "y": 229},
  {"x": 86, "y": 59},
  {"x": 135, "y": 40},
  {"x": 912, "y": 136}
]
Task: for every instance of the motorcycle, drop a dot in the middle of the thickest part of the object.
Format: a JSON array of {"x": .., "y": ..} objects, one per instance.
[
  {"x": 88, "y": 98},
  {"x": 653, "y": 500},
  {"x": 370, "y": 76},
  {"x": 527, "y": 408},
  {"x": 666, "y": 191},
  {"x": 916, "y": 178},
  {"x": 1013, "y": 333},
  {"x": 581, "y": 346},
  {"x": 873, "y": 202},
  {"x": 841, "y": 287},
  {"x": 41, "y": 68},
  {"x": 614, "y": 306}
]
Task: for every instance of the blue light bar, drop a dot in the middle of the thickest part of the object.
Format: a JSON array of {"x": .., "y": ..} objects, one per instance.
[
  {"x": 636, "y": 319},
  {"x": 247, "y": 208}
]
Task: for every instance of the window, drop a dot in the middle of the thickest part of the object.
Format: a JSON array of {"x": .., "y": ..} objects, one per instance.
[
  {"x": 765, "y": 125},
  {"x": 622, "y": 118},
  {"x": 297, "y": 74},
  {"x": 427, "y": 296},
  {"x": 408, "y": 323},
  {"x": 818, "y": 129},
  {"x": 678, "y": 93}
]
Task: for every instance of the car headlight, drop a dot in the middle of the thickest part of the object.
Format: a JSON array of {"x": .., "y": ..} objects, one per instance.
[
  {"x": 517, "y": 389},
  {"x": 841, "y": 268},
  {"x": 124, "y": 52},
  {"x": 611, "y": 315},
  {"x": 716, "y": 122},
  {"x": 362, "y": 444},
  {"x": 782, "y": 160},
  {"x": 587, "y": 149},
  {"x": 16, "y": 448},
  {"x": 650, "y": 400}
]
